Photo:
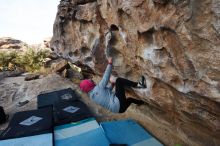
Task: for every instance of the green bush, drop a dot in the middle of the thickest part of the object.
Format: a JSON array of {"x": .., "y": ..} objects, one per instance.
[
  {"x": 31, "y": 60},
  {"x": 6, "y": 59}
]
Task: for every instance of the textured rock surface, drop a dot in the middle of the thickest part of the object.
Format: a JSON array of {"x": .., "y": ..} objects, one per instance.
[
  {"x": 58, "y": 65},
  {"x": 174, "y": 43}
]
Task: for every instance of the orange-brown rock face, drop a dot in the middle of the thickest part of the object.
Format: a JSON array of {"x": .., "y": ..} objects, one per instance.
[{"x": 175, "y": 44}]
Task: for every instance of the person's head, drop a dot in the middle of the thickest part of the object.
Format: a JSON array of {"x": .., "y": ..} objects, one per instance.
[{"x": 86, "y": 85}]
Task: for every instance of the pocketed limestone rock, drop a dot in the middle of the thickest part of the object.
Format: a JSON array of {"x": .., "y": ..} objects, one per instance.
[{"x": 175, "y": 44}]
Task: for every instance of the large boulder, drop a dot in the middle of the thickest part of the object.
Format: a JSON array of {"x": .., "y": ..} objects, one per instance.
[
  {"x": 58, "y": 65},
  {"x": 173, "y": 43}
]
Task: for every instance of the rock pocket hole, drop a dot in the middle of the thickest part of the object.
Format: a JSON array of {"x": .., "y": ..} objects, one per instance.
[
  {"x": 147, "y": 36},
  {"x": 85, "y": 50},
  {"x": 113, "y": 27},
  {"x": 75, "y": 53},
  {"x": 71, "y": 54},
  {"x": 115, "y": 32},
  {"x": 60, "y": 54},
  {"x": 88, "y": 59}
]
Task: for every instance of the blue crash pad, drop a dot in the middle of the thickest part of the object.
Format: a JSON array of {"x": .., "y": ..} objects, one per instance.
[
  {"x": 38, "y": 140},
  {"x": 128, "y": 132},
  {"x": 83, "y": 133}
]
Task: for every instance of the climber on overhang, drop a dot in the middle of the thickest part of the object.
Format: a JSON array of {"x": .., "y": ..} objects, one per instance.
[{"x": 104, "y": 96}]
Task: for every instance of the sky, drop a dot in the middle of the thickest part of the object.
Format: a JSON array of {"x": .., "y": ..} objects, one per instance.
[{"x": 27, "y": 20}]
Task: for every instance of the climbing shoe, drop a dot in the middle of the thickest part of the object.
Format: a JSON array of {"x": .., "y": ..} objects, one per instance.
[{"x": 142, "y": 82}]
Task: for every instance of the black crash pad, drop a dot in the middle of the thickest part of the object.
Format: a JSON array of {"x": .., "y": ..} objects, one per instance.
[
  {"x": 29, "y": 123},
  {"x": 67, "y": 112},
  {"x": 51, "y": 98}
]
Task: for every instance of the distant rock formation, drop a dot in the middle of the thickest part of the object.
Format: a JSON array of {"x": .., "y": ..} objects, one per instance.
[
  {"x": 7, "y": 43},
  {"x": 173, "y": 43}
]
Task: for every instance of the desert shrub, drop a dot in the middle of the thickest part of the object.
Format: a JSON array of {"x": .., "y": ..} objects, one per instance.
[
  {"x": 31, "y": 60},
  {"x": 8, "y": 60}
]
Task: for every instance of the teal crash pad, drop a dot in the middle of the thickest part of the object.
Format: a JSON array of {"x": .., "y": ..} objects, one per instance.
[
  {"x": 128, "y": 132},
  {"x": 83, "y": 133}
]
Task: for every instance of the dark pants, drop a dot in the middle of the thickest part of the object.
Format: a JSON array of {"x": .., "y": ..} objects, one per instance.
[
  {"x": 2, "y": 115},
  {"x": 120, "y": 93}
]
